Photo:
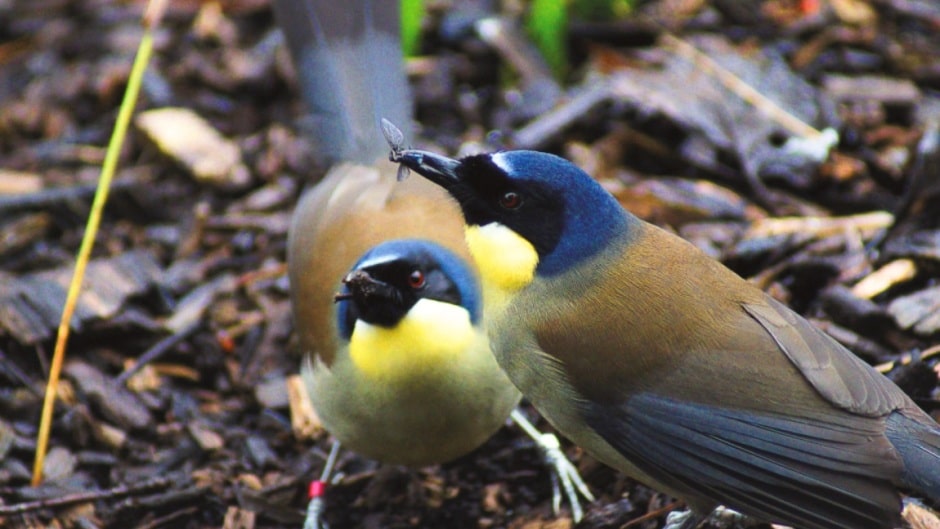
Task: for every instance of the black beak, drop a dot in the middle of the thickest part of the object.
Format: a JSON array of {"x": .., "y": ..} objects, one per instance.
[
  {"x": 439, "y": 169},
  {"x": 362, "y": 287},
  {"x": 374, "y": 301}
]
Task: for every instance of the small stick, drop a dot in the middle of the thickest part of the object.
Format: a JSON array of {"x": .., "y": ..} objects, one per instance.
[
  {"x": 157, "y": 351},
  {"x": 84, "y": 497}
]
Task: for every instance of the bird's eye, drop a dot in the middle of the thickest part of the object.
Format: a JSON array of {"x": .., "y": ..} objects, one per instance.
[
  {"x": 416, "y": 280},
  {"x": 510, "y": 200}
]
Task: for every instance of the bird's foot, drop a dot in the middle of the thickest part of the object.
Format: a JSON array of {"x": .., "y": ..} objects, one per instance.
[
  {"x": 564, "y": 475},
  {"x": 728, "y": 518},
  {"x": 720, "y": 517},
  {"x": 686, "y": 519},
  {"x": 563, "y": 471}
]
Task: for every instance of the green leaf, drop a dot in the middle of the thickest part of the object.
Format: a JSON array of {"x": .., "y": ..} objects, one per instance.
[
  {"x": 547, "y": 24},
  {"x": 412, "y": 14}
]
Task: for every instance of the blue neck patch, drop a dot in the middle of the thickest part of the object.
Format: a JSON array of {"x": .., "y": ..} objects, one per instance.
[
  {"x": 591, "y": 218},
  {"x": 435, "y": 260}
]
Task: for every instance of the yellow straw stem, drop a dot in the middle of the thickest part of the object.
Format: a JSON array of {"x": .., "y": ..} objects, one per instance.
[{"x": 94, "y": 220}]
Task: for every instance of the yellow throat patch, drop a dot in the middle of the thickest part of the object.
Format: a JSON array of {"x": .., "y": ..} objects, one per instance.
[
  {"x": 506, "y": 261},
  {"x": 432, "y": 335}
]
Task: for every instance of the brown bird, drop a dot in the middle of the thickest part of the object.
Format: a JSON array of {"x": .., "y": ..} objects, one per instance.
[
  {"x": 668, "y": 366},
  {"x": 394, "y": 417},
  {"x": 399, "y": 369}
]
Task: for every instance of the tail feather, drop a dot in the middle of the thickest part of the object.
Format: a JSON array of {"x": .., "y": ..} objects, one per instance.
[
  {"x": 917, "y": 440},
  {"x": 349, "y": 65}
]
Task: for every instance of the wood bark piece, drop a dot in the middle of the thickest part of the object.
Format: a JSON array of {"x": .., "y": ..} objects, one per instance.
[
  {"x": 193, "y": 143},
  {"x": 31, "y": 305}
]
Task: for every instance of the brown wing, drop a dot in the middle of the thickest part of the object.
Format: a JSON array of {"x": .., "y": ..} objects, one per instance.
[
  {"x": 836, "y": 373},
  {"x": 352, "y": 209}
]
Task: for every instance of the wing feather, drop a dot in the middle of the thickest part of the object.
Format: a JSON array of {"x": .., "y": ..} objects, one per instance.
[{"x": 834, "y": 371}]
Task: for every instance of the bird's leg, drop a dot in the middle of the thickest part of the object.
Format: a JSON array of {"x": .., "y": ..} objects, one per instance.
[
  {"x": 561, "y": 469},
  {"x": 314, "y": 516}
]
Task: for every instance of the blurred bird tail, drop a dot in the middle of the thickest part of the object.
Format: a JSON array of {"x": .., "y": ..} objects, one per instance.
[
  {"x": 918, "y": 443},
  {"x": 349, "y": 66}
]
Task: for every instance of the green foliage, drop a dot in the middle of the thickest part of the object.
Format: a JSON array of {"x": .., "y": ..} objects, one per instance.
[
  {"x": 412, "y": 14},
  {"x": 601, "y": 9},
  {"x": 547, "y": 24}
]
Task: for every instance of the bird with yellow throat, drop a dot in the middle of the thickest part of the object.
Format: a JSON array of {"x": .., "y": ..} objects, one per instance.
[
  {"x": 399, "y": 368},
  {"x": 668, "y": 366}
]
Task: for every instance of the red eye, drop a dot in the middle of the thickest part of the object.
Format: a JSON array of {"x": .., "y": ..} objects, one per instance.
[
  {"x": 510, "y": 200},
  {"x": 416, "y": 279}
]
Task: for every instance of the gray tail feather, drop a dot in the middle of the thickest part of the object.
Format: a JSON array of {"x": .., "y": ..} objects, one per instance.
[
  {"x": 349, "y": 65},
  {"x": 917, "y": 440}
]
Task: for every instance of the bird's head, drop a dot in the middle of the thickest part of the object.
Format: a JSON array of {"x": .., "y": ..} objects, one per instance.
[
  {"x": 406, "y": 306},
  {"x": 527, "y": 213},
  {"x": 392, "y": 277}
]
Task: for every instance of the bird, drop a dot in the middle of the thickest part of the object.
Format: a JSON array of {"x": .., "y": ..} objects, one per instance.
[
  {"x": 376, "y": 385},
  {"x": 666, "y": 365},
  {"x": 378, "y": 388}
]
